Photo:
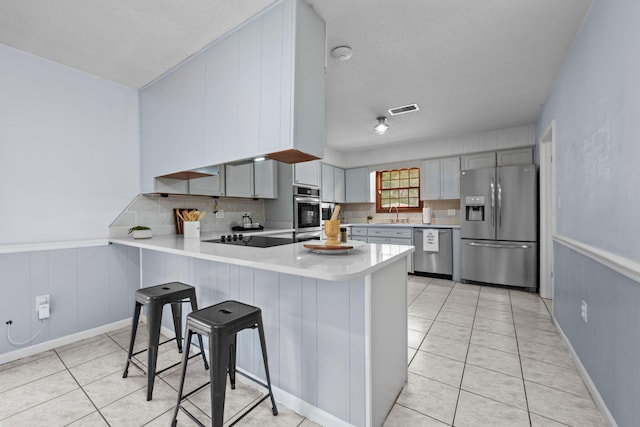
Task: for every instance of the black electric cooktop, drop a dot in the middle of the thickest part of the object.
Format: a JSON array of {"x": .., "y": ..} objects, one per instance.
[{"x": 254, "y": 241}]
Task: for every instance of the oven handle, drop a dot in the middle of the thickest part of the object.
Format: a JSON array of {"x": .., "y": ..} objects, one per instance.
[{"x": 306, "y": 199}]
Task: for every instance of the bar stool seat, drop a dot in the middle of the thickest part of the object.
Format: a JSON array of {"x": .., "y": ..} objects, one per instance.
[
  {"x": 220, "y": 323},
  {"x": 154, "y": 298}
]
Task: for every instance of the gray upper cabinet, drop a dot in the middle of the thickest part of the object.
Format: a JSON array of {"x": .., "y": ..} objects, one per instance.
[
  {"x": 265, "y": 178},
  {"x": 516, "y": 157},
  {"x": 252, "y": 179},
  {"x": 239, "y": 180},
  {"x": 357, "y": 184},
  {"x": 257, "y": 91},
  {"x": 333, "y": 184},
  {"x": 440, "y": 179},
  {"x": 328, "y": 184},
  {"x": 491, "y": 159},
  {"x": 213, "y": 185},
  {"x": 339, "y": 190},
  {"x": 307, "y": 174},
  {"x": 478, "y": 161}
]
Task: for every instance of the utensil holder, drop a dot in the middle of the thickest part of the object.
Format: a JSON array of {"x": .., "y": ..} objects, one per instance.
[{"x": 191, "y": 229}]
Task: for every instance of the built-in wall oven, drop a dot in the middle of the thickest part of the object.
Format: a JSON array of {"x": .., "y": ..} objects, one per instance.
[{"x": 307, "y": 215}]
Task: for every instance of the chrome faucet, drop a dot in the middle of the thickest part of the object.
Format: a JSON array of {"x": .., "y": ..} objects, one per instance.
[{"x": 391, "y": 208}]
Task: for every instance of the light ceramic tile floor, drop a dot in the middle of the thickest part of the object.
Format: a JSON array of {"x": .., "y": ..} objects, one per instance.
[
  {"x": 478, "y": 356},
  {"x": 81, "y": 384},
  {"x": 487, "y": 356}
]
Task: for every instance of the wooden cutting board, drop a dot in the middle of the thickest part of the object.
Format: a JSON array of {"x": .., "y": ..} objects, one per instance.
[{"x": 340, "y": 247}]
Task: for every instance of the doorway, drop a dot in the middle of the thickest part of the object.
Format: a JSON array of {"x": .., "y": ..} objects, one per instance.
[{"x": 547, "y": 210}]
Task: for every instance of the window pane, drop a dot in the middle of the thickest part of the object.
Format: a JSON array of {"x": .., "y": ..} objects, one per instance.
[
  {"x": 386, "y": 184},
  {"x": 414, "y": 182},
  {"x": 404, "y": 201},
  {"x": 384, "y": 194},
  {"x": 414, "y": 173},
  {"x": 414, "y": 202},
  {"x": 393, "y": 194},
  {"x": 403, "y": 192},
  {"x": 386, "y": 175},
  {"x": 394, "y": 184},
  {"x": 403, "y": 183},
  {"x": 394, "y": 174},
  {"x": 404, "y": 173},
  {"x": 413, "y": 192}
]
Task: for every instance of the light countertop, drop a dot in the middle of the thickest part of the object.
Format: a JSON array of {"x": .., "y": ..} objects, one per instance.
[{"x": 290, "y": 259}]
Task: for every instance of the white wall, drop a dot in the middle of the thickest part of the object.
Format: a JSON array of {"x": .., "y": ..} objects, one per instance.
[{"x": 69, "y": 151}]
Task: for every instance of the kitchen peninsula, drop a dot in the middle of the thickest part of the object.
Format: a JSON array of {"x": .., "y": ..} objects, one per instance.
[{"x": 336, "y": 325}]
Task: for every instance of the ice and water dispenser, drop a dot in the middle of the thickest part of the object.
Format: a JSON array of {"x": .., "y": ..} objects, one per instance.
[{"x": 474, "y": 208}]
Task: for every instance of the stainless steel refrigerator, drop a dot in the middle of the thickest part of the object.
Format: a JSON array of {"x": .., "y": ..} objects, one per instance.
[{"x": 499, "y": 226}]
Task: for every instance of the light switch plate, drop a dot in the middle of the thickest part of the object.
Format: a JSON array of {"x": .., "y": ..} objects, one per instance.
[
  {"x": 220, "y": 214},
  {"x": 451, "y": 212}
]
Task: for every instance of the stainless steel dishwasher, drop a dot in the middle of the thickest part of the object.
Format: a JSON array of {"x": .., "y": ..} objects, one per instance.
[{"x": 439, "y": 260}]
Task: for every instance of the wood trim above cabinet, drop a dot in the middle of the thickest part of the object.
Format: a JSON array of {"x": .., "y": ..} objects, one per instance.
[{"x": 291, "y": 156}]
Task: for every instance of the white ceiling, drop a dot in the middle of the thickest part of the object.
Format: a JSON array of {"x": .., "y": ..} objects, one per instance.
[{"x": 470, "y": 65}]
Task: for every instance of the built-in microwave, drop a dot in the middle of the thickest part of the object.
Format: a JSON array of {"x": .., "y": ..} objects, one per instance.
[
  {"x": 306, "y": 210},
  {"x": 327, "y": 210}
]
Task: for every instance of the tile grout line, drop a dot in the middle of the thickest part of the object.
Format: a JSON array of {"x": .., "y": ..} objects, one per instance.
[
  {"x": 81, "y": 388},
  {"x": 524, "y": 388},
  {"x": 464, "y": 367}
]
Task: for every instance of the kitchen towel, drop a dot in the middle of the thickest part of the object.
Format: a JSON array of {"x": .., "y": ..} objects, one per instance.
[
  {"x": 426, "y": 215},
  {"x": 430, "y": 242}
]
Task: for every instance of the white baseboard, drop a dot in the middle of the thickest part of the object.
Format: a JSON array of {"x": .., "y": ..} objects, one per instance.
[
  {"x": 597, "y": 398},
  {"x": 59, "y": 342}
]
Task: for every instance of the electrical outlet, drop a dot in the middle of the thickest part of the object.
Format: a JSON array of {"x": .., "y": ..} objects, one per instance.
[
  {"x": 583, "y": 311},
  {"x": 43, "y": 304},
  {"x": 220, "y": 214},
  {"x": 451, "y": 212},
  {"x": 42, "y": 299}
]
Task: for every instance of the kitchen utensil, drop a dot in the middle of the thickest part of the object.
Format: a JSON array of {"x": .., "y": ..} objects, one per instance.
[
  {"x": 336, "y": 211},
  {"x": 332, "y": 230}
]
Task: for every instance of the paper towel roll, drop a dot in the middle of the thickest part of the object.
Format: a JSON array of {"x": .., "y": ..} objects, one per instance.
[{"x": 426, "y": 215}]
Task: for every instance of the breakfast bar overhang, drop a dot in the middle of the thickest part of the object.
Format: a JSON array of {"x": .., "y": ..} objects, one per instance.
[{"x": 335, "y": 325}]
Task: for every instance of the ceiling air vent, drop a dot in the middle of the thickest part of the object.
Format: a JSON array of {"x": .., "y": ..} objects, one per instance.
[{"x": 404, "y": 109}]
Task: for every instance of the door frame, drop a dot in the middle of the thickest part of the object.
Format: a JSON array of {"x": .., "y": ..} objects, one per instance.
[{"x": 547, "y": 209}]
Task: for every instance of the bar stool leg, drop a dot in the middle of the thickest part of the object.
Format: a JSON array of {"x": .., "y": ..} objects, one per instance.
[
  {"x": 183, "y": 374},
  {"x": 232, "y": 362},
  {"x": 266, "y": 366},
  {"x": 134, "y": 330},
  {"x": 176, "y": 311},
  {"x": 154, "y": 319},
  {"x": 218, "y": 376},
  {"x": 194, "y": 307}
]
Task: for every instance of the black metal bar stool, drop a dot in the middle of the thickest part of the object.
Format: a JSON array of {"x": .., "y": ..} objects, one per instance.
[
  {"x": 155, "y": 298},
  {"x": 221, "y": 322}
]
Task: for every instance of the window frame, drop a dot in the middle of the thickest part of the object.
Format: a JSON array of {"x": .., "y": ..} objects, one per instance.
[{"x": 380, "y": 209}]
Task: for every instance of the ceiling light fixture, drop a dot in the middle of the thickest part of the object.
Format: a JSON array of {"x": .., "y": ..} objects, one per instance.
[
  {"x": 382, "y": 125},
  {"x": 342, "y": 53}
]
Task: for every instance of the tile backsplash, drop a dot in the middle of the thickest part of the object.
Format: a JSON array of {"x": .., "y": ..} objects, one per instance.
[
  {"x": 156, "y": 212},
  {"x": 356, "y": 213}
]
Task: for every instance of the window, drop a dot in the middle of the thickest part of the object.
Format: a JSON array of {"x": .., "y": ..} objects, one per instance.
[{"x": 398, "y": 188}]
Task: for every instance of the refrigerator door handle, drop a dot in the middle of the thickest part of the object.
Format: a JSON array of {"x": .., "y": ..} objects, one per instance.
[
  {"x": 493, "y": 203},
  {"x": 499, "y": 204},
  {"x": 490, "y": 245}
]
